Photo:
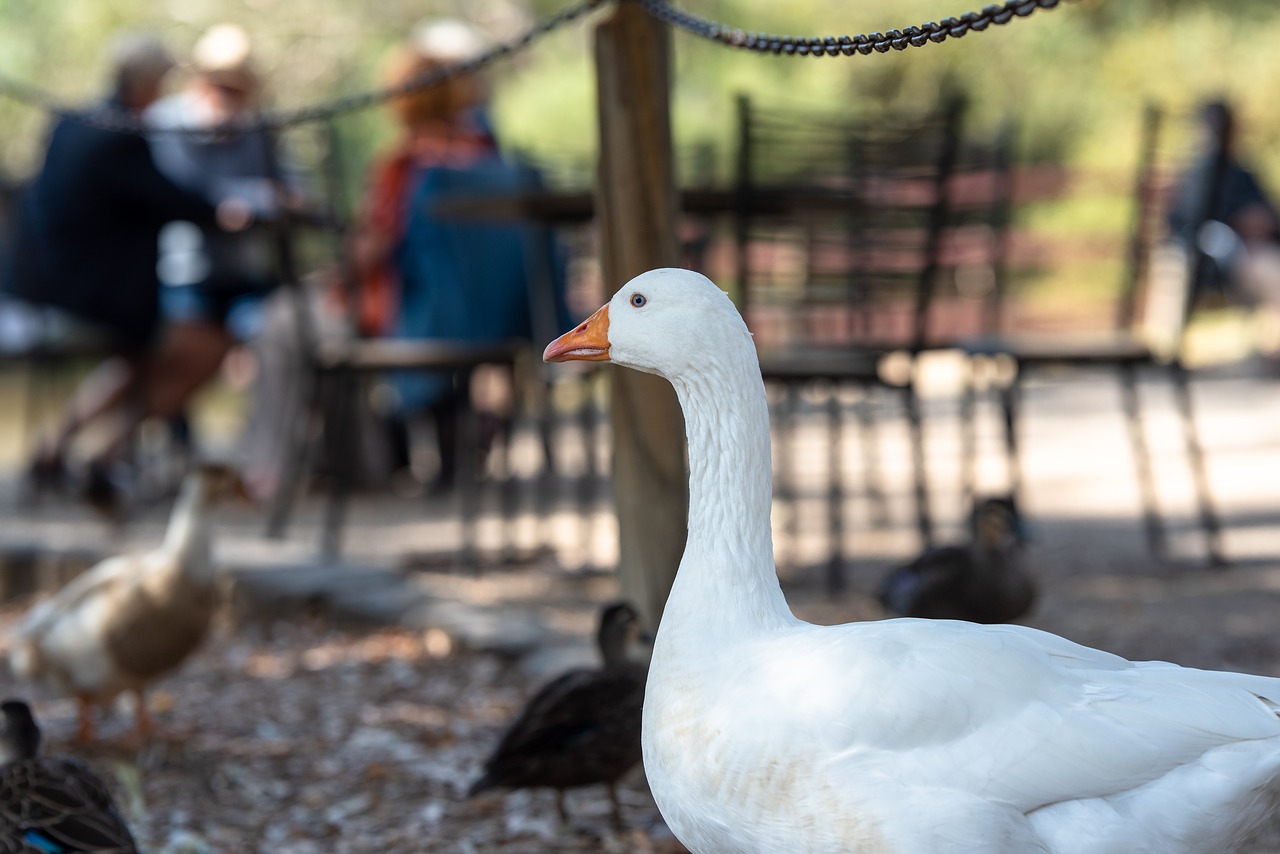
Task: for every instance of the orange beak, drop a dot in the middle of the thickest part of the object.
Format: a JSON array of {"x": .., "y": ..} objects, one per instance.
[{"x": 589, "y": 342}]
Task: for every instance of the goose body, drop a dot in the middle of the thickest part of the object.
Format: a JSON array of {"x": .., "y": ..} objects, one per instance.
[
  {"x": 763, "y": 733},
  {"x": 131, "y": 618}
]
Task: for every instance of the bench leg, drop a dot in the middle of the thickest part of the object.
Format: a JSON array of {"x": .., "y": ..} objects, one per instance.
[
  {"x": 787, "y": 494},
  {"x": 589, "y": 423},
  {"x": 1010, "y": 401},
  {"x": 968, "y": 432},
  {"x": 468, "y": 478},
  {"x": 915, "y": 423},
  {"x": 344, "y": 448},
  {"x": 1199, "y": 473},
  {"x": 1142, "y": 461},
  {"x": 835, "y": 494},
  {"x": 870, "y": 447},
  {"x": 297, "y": 459}
]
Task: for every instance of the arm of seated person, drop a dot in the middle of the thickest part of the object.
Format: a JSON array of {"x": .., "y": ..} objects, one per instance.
[{"x": 132, "y": 175}]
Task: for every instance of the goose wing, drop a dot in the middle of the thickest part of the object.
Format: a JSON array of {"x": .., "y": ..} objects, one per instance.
[{"x": 1013, "y": 713}]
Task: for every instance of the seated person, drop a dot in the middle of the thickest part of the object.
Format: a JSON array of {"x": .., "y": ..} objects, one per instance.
[
  {"x": 423, "y": 276},
  {"x": 409, "y": 275},
  {"x": 213, "y": 278},
  {"x": 1227, "y": 217},
  {"x": 88, "y": 227}
]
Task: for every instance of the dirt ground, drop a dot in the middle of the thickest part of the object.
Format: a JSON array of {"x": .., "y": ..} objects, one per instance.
[
  {"x": 302, "y": 734},
  {"x": 298, "y": 736},
  {"x": 302, "y": 738}
]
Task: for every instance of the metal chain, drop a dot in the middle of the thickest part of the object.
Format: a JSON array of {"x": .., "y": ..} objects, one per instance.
[
  {"x": 929, "y": 32},
  {"x": 122, "y": 122}
]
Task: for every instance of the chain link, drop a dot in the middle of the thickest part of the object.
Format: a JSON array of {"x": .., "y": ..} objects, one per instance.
[
  {"x": 930, "y": 32},
  {"x": 121, "y": 122}
]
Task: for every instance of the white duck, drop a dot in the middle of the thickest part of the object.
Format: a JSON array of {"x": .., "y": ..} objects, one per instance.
[
  {"x": 763, "y": 733},
  {"x": 132, "y": 618}
]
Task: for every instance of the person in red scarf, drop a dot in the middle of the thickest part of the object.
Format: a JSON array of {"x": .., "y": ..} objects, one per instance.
[
  {"x": 440, "y": 126},
  {"x": 444, "y": 125}
]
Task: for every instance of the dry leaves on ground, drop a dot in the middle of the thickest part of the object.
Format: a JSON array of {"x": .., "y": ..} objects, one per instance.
[{"x": 311, "y": 739}]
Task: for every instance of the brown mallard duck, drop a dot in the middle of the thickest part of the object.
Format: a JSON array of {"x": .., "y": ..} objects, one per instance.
[
  {"x": 51, "y": 804},
  {"x": 132, "y": 618},
  {"x": 983, "y": 581},
  {"x": 582, "y": 728}
]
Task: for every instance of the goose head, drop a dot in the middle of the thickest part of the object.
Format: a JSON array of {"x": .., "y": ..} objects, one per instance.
[
  {"x": 678, "y": 325},
  {"x": 668, "y": 322},
  {"x": 19, "y": 733}
]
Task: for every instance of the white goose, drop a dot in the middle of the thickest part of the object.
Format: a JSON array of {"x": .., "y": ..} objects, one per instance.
[{"x": 763, "y": 733}]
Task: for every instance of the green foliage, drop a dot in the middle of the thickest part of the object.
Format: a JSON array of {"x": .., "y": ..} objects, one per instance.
[
  {"x": 1074, "y": 77},
  {"x": 309, "y": 50}
]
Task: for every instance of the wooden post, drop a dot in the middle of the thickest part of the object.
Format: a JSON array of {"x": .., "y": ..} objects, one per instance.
[{"x": 637, "y": 208}]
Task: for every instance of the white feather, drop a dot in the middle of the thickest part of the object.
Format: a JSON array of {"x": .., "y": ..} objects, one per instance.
[{"x": 763, "y": 733}]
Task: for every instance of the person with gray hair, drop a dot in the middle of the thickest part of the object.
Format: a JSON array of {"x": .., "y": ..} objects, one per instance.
[
  {"x": 139, "y": 64},
  {"x": 87, "y": 237}
]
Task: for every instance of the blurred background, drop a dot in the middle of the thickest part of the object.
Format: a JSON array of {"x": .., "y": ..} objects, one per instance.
[
  {"x": 979, "y": 269},
  {"x": 1076, "y": 88},
  {"x": 1077, "y": 84}
]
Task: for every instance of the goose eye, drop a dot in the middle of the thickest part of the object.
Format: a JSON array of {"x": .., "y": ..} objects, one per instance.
[{"x": 638, "y": 300}]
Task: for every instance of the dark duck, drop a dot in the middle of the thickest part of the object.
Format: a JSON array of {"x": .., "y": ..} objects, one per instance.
[
  {"x": 580, "y": 729},
  {"x": 51, "y": 805},
  {"x": 983, "y": 581}
]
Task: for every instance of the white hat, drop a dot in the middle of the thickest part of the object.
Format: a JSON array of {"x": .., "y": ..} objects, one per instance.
[
  {"x": 449, "y": 40},
  {"x": 225, "y": 55}
]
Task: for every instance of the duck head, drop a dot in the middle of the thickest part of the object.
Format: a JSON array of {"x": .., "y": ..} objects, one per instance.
[
  {"x": 667, "y": 322},
  {"x": 221, "y": 480},
  {"x": 998, "y": 525},
  {"x": 19, "y": 733},
  {"x": 621, "y": 637}
]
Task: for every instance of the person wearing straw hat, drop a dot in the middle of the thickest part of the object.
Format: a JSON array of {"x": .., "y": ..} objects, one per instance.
[{"x": 215, "y": 280}]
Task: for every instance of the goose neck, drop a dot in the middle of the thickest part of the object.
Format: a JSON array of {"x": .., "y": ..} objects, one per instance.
[{"x": 728, "y": 559}]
